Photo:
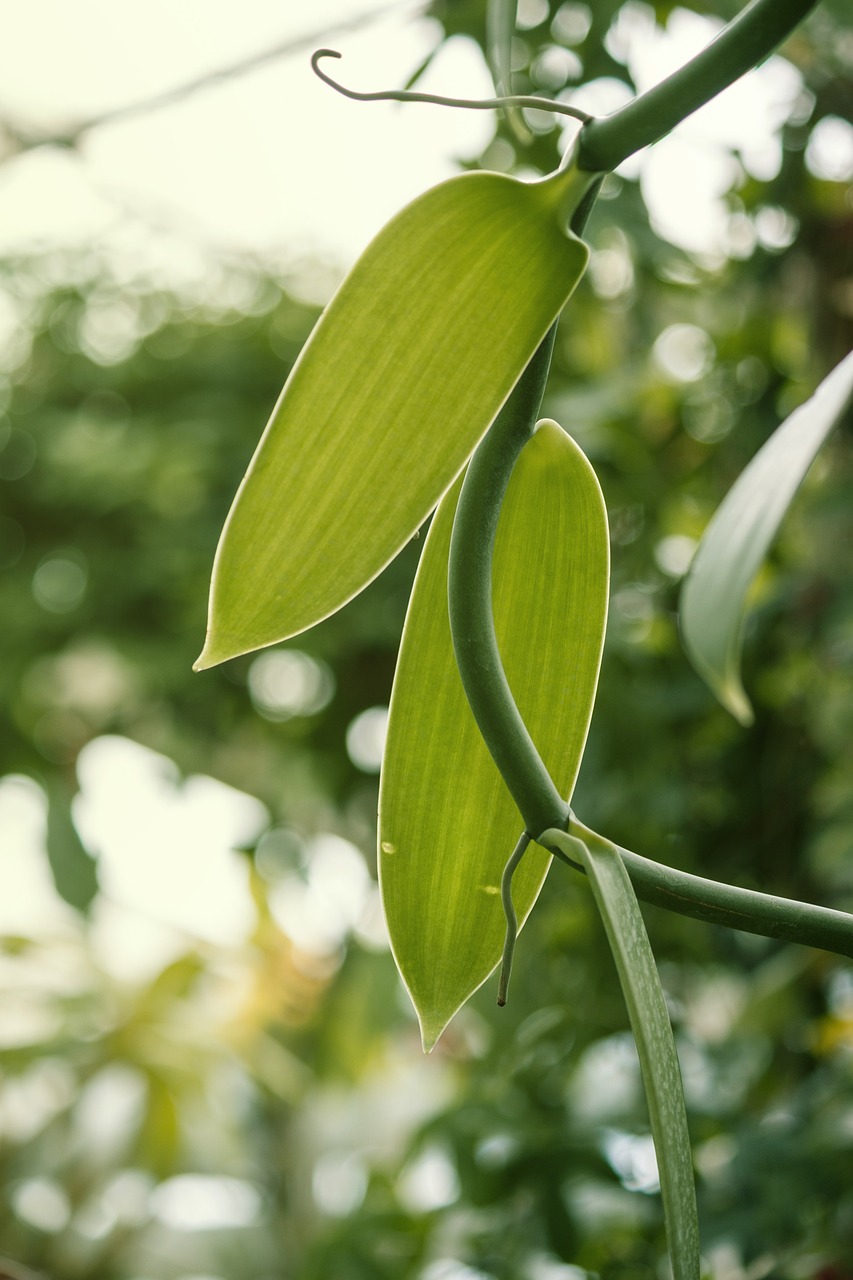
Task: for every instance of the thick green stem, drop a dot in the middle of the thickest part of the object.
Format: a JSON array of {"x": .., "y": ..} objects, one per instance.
[
  {"x": 469, "y": 594},
  {"x": 743, "y": 44},
  {"x": 469, "y": 586},
  {"x": 724, "y": 904},
  {"x": 545, "y": 813}
]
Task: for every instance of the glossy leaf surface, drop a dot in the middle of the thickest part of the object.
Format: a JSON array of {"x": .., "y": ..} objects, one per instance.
[
  {"x": 620, "y": 912},
  {"x": 740, "y": 533},
  {"x": 403, "y": 374},
  {"x": 447, "y": 823}
]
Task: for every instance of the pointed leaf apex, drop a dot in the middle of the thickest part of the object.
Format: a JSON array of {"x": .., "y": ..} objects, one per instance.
[
  {"x": 736, "y": 541},
  {"x": 212, "y": 655},
  {"x": 734, "y": 699},
  {"x": 447, "y": 822},
  {"x": 432, "y": 1030}
]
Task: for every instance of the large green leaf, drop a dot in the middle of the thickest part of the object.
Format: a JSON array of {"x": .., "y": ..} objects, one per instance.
[
  {"x": 403, "y": 374},
  {"x": 638, "y": 975},
  {"x": 739, "y": 535},
  {"x": 447, "y": 823}
]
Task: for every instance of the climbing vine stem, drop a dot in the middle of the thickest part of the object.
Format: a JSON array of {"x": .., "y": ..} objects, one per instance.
[
  {"x": 722, "y": 904},
  {"x": 546, "y": 815},
  {"x": 747, "y": 40},
  {"x": 469, "y": 594},
  {"x": 604, "y": 143}
]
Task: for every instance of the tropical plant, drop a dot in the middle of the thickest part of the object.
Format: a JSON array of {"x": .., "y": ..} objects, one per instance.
[{"x": 435, "y": 353}]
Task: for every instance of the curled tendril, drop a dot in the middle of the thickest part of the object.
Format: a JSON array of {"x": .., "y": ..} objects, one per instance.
[
  {"x": 509, "y": 911},
  {"x": 475, "y": 104}
]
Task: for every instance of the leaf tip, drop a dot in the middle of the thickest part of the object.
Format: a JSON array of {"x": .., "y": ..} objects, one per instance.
[
  {"x": 431, "y": 1031},
  {"x": 734, "y": 699},
  {"x": 211, "y": 655}
]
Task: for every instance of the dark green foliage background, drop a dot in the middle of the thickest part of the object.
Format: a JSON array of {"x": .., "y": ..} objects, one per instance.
[{"x": 133, "y": 465}]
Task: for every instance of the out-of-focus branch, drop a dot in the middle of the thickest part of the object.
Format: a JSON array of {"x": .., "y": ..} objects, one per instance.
[{"x": 16, "y": 138}]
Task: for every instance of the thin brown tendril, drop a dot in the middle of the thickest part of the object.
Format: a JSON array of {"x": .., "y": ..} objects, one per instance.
[{"x": 475, "y": 104}]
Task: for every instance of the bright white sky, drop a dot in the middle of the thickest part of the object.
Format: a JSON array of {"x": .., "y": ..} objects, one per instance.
[
  {"x": 275, "y": 164},
  {"x": 272, "y": 162}
]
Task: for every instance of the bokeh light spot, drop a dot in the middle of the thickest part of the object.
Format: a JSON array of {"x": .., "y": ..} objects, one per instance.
[
  {"x": 829, "y": 154},
  {"x": 571, "y": 23},
  {"x": 673, "y": 554},
  {"x": 339, "y": 1183},
  {"x": 196, "y": 1202},
  {"x": 318, "y": 910},
  {"x": 43, "y": 1204},
  {"x": 684, "y": 352},
  {"x": 285, "y": 683},
  {"x": 366, "y": 739},
  {"x": 59, "y": 583}
]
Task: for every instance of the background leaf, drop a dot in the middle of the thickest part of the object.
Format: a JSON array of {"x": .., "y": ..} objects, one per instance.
[
  {"x": 501, "y": 17},
  {"x": 74, "y": 869},
  {"x": 402, "y": 376},
  {"x": 738, "y": 537},
  {"x": 447, "y": 823}
]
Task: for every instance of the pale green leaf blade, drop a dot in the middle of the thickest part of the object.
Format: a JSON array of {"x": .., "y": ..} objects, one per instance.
[
  {"x": 638, "y": 976},
  {"x": 447, "y": 823},
  {"x": 739, "y": 536},
  {"x": 403, "y": 374}
]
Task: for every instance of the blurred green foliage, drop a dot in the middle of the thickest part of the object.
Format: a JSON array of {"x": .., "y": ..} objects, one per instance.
[{"x": 263, "y": 1111}]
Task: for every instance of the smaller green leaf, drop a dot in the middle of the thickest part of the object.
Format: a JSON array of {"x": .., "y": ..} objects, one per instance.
[
  {"x": 740, "y": 533},
  {"x": 447, "y": 822},
  {"x": 638, "y": 976}
]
